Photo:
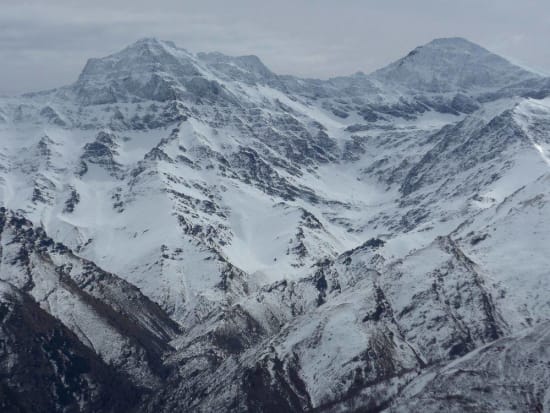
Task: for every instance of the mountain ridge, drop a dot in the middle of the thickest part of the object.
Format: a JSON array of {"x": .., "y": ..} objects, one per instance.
[{"x": 234, "y": 240}]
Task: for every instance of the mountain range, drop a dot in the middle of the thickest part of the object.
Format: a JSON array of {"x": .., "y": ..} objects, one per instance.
[{"x": 193, "y": 232}]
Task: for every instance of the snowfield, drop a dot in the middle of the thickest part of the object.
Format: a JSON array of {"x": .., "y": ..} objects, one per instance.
[{"x": 222, "y": 238}]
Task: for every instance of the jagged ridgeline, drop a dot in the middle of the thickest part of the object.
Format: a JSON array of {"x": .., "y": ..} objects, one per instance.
[{"x": 193, "y": 232}]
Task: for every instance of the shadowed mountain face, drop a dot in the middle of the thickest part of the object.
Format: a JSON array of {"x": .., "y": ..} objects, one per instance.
[
  {"x": 46, "y": 367},
  {"x": 211, "y": 236}
]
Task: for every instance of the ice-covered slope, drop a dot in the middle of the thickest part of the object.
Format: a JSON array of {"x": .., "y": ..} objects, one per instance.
[
  {"x": 451, "y": 65},
  {"x": 449, "y": 76},
  {"x": 236, "y": 240}
]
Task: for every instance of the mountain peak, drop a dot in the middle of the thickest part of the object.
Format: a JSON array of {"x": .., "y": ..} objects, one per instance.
[
  {"x": 248, "y": 68},
  {"x": 159, "y": 70},
  {"x": 453, "y": 42},
  {"x": 151, "y": 42},
  {"x": 451, "y": 65},
  {"x": 147, "y": 69},
  {"x": 146, "y": 40},
  {"x": 457, "y": 46}
]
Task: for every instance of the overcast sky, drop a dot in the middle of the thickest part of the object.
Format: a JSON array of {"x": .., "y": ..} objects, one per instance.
[{"x": 45, "y": 43}]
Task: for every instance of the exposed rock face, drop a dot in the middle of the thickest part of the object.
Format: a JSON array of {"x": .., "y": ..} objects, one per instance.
[
  {"x": 205, "y": 234},
  {"x": 106, "y": 313},
  {"x": 511, "y": 373},
  {"x": 45, "y": 366}
]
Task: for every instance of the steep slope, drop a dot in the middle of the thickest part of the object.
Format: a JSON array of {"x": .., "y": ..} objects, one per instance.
[
  {"x": 107, "y": 314},
  {"x": 449, "y": 76},
  {"x": 510, "y": 374},
  {"x": 320, "y": 245},
  {"x": 451, "y": 65},
  {"x": 46, "y": 367},
  {"x": 283, "y": 348}
]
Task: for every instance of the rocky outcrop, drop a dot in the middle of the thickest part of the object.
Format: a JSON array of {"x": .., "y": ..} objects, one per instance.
[{"x": 211, "y": 236}]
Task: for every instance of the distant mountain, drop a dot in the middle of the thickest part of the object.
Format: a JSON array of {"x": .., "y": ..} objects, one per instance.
[
  {"x": 212, "y": 236},
  {"x": 451, "y": 65}
]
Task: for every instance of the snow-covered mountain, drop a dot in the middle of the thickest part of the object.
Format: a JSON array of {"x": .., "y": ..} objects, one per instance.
[
  {"x": 451, "y": 65},
  {"x": 218, "y": 237}
]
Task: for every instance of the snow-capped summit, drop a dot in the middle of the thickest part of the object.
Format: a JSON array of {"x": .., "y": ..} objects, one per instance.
[
  {"x": 249, "y": 69},
  {"x": 228, "y": 239},
  {"x": 152, "y": 69},
  {"x": 147, "y": 69},
  {"x": 451, "y": 65},
  {"x": 145, "y": 54},
  {"x": 161, "y": 71}
]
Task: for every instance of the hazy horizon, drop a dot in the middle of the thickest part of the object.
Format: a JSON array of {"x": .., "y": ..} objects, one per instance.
[{"x": 46, "y": 46}]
